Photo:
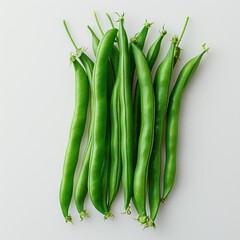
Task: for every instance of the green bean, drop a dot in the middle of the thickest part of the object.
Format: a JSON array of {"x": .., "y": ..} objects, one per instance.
[
  {"x": 112, "y": 71},
  {"x": 104, "y": 170},
  {"x": 146, "y": 133},
  {"x": 99, "y": 119},
  {"x": 116, "y": 164},
  {"x": 184, "y": 77},
  {"x": 106, "y": 166},
  {"x": 152, "y": 55},
  {"x": 111, "y": 77},
  {"x": 81, "y": 189},
  {"x": 161, "y": 87},
  {"x": 76, "y": 133},
  {"x": 126, "y": 115}
]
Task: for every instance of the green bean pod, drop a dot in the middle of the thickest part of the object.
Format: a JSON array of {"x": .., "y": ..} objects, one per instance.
[
  {"x": 125, "y": 115},
  {"x": 75, "y": 137},
  {"x": 146, "y": 133},
  {"x": 106, "y": 165},
  {"x": 112, "y": 71},
  {"x": 115, "y": 155},
  {"x": 161, "y": 88},
  {"x": 152, "y": 55},
  {"x": 184, "y": 77},
  {"x": 99, "y": 122},
  {"x": 80, "y": 190},
  {"x": 81, "y": 187}
]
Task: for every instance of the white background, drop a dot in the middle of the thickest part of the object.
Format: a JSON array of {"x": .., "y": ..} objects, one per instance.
[{"x": 36, "y": 105}]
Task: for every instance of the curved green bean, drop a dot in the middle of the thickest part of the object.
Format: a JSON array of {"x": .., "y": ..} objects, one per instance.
[
  {"x": 125, "y": 115},
  {"x": 99, "y": 119},
  {"x": 80, "y": 190},
  {"x": 184, "y": 77},
  {"x": 75, "y": 137},
  {"x": 146, "y": 133},
  {"x": 81, "y": 187},
  {"x": 152, "y": 55}
]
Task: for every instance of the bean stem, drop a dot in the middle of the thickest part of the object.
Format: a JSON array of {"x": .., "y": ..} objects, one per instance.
[
  {"x": 110, "y": 20},
  {"x": 98, "y": 24},
  {"x": 183, "y": 30},
  {"x": 69, "y": 34}
]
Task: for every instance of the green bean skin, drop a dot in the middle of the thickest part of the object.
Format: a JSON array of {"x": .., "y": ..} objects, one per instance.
[
  {"x": 87, "y": 63},
  {"x": 139, "y": 39},
  {"x": 106, "y": 165},
  {"x": 146, "y": 133},
  {"x": 116, "y": 164},
  {"x": 81, "y": 187},
  {"x": 115, "y": 61},
  {"x": 184, "y": 77},
  {"x": 115, "y": 54},
  {"x": 99, "y": 118},
  {"x": 75, "y": 137},
  {"x": 152, "y": 55},
  {"x": 126, "y": 123},
  {"x": 161, "y": 88},
  {"x": 114, "y": 58}
]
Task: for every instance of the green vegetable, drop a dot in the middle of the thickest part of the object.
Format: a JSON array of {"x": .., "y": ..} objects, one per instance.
[
  {"x": 75, "y": 137},
  {"x": 99, "y": 123},
  {"x": 126, "y": 126},
  {"x": 146, "y": 133},
  {"x": 184, "y": 77}
]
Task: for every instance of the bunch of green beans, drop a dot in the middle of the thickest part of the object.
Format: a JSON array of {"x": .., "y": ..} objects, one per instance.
[{"x": 133, "y": 112}]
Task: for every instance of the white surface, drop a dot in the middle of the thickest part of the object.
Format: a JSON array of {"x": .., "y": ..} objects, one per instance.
[{"x": 36, "y": 102}]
